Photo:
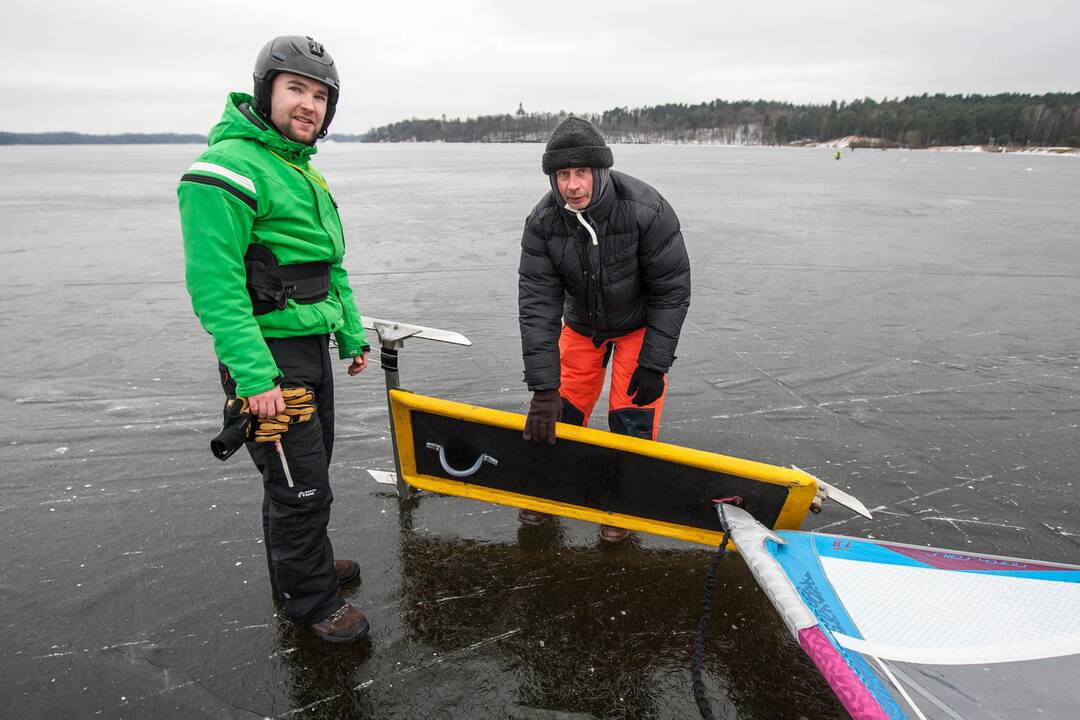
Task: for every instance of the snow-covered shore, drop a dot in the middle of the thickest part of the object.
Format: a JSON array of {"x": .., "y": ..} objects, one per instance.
[{"x": 860, "y": 142}]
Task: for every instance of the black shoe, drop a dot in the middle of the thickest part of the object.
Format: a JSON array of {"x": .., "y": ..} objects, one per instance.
[{"x": 345, "y": 625}]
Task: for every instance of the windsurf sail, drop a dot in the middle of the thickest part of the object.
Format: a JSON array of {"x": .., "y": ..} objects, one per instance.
[{"x": 906, "y": 632}]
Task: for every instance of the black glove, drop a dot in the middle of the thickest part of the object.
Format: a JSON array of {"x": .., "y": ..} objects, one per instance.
[
  {"x": 646, "y": 385},
  {"x": 545, "y": 409},
  {"x": 235, "y": 430}
]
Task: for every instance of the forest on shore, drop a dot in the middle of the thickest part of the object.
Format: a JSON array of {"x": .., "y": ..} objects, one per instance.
[{"x": 1009, "y": 119}]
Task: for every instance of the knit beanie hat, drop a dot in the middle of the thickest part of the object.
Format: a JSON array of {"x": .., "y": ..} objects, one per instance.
[{"x": 575, "y": 142}]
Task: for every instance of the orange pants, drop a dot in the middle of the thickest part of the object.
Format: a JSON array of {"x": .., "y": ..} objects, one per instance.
[{"x": 583, "y": 367}]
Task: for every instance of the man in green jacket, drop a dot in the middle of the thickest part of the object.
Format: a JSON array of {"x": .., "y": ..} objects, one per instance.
[{"x": 263, "y": 246}]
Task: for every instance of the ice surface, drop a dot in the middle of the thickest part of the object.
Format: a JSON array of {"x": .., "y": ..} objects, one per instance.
[{"x": 897, "y": 324}]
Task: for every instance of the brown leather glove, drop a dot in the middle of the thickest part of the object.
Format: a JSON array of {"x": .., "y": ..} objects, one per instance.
[
  {"x": 545, "y": 409},
  {"x": 299, "y": 403},
  {"x": 271, "y": 428},
  {"x": 299, "y": 407}
]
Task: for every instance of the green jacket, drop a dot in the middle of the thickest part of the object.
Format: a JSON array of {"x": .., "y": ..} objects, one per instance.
[{"x": 253, "y": 185}]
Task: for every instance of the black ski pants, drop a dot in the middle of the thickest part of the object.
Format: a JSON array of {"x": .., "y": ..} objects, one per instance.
[{"x": 299, "y": 555}]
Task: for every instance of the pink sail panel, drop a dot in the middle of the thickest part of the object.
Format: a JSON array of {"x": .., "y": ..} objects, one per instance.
[{"x": 851, "y": 691}]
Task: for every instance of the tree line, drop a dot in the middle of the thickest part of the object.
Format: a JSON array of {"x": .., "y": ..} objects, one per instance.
[{"x": 1007, "y": 119}]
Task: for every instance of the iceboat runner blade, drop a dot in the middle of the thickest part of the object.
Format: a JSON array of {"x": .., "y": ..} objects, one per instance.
[
  {"x": 390, "y": 330},
  {"x": 383, "y": 477},
  {"x": 838, "y": 496}
]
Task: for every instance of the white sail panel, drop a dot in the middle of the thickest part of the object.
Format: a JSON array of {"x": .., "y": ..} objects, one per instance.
[{"x": 929, "y": 615}]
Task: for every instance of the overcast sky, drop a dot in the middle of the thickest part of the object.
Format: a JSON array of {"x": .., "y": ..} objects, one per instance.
[{"x": 112, "y": 66}]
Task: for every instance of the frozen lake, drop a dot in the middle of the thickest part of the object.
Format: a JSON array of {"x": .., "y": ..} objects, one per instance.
[{"x": 902, "y": 324}]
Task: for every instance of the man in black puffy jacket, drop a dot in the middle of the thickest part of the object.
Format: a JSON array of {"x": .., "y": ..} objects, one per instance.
[{"x": 604, "y": 278}]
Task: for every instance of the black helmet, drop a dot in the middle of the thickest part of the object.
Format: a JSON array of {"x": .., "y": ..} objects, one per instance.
[{"x": 299, "y": 55}]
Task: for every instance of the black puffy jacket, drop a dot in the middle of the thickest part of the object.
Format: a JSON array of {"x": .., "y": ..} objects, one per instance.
[{"x": 636, "y": 275}]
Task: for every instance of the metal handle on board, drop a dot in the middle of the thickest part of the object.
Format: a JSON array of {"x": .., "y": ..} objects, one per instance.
[{"x": 484, "y": 458}]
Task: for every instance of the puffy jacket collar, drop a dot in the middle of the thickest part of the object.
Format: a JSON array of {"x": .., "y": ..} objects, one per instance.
[
  {"x": 239, "y": 121},
  {"x": 601, "y": 207}
]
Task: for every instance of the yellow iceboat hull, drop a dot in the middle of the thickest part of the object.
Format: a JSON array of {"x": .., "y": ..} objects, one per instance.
[{"x": 457, "y": 449}]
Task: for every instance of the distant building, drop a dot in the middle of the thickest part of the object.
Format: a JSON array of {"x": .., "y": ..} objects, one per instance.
[{"x": 521, "y": 109}]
